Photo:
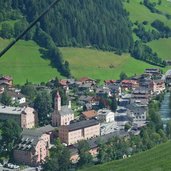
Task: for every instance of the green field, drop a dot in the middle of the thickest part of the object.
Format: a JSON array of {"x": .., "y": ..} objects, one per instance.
[
  {"x": 162, "y": 47},
  {"x": 156, "y": 159},
  {"x": 138, "y": 12},
  {"x": 96, "y": 63},
  {"x": 24, "y": 62},
  {"x": 165, "y": 6}
]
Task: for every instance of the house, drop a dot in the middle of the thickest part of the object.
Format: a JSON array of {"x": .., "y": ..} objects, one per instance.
[
  {"x": 64, "y": 84},
  {"x": 129, "y": 84},
  {"x": 6, "y": 81},
  {"x": 62, "y": 115},
  {"x": 25, "y": 117},
  {"x": 17, "y": 97},
  {"x": 141, "y": 94},
  {"x": 84, "y": 80},
  {"x": 33, "y": 148},
  {"x": 89, "y": 114},
  {"x": 152, "y": 71},
  {"x": 82, "y": 130},
  {"x": 105, "y": 115},
  {"x": 86, "y": 87},
  {"x": 158, "y": 86},
  {"x": 108, "y": 82},
  {"x": 146, "y": 83},
  {"x": 138, "y": 113},
  {"x": 103, "y": 92}
]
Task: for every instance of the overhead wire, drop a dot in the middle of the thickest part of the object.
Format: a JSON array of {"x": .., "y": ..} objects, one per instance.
[{"x": 10, "y": 45}]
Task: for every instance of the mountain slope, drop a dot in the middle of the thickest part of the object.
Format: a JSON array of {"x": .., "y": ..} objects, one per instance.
[
  {"x": 100, "y": 23},
  {"x": 156, "y": 159},
  {"x": 101, "y": 64},
  {"x": 25, "y": 62}
]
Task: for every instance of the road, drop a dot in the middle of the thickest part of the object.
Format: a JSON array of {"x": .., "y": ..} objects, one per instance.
[{"x": 167, "y": 73}]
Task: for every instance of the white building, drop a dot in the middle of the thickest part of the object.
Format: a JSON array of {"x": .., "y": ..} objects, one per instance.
[
  {"x": 105, "y": 115},
  {"x": 137, "y": 113}
]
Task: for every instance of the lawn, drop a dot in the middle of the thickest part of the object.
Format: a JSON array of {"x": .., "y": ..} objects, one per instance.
[
  {"x": 24, "y": 62},
  {"x": 101, "y": 65},
  {"x": 138, "y": 12},
  {"x": 156, "y": 159},
  {"x": 162, "y": 47},
  {"x": 164, "y": 7}
]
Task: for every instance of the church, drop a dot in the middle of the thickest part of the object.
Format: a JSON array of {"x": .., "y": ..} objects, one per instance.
[{"x": 62, "y": 115}]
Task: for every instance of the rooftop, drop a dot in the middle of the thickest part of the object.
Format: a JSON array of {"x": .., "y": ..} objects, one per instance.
[
  {"x": 90, "y": 113},
  {"x": 104, "y": 111},
  {"x": 65, "y": 110},
  {"x": 82, "y": 124},
  {"x": 11, "y": 110}
]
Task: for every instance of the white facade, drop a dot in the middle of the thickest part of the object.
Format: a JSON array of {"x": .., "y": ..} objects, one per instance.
[{"x": 105, "y": 115}]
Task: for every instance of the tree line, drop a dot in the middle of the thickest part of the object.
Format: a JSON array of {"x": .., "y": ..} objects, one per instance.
[{"x": 99, "y": 23}]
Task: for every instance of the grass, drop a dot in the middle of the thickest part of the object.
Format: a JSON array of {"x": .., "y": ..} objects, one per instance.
[
  {"x": 162, "y": 47},
  {"x": 165, "y": 6},
  {"x": 138, "y": 12},
  {"x": 24, "y": 62},
  {"x": 96, "y": 64},
  {"x": 156, "y": 159}
]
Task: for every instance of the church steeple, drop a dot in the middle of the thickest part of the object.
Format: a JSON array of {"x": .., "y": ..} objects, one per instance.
[{"x": 57, "y": 101}]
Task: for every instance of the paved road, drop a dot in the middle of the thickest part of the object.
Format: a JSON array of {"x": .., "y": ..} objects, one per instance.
[
  {"x": 6, "y": 169},
  {"x": 167, "y": 73}
]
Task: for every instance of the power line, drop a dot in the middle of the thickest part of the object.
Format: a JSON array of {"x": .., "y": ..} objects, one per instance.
[{"x": 28, "y": 28}]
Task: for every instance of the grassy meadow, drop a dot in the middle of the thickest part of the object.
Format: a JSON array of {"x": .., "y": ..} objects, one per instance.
[
  {"x": 101, "y": 64},
  {"x": 138, "y": 12},
  {"x": 156, "y": 159},
  {"x": 162, "y": 47},
  {"x": 24, "y": 62}
]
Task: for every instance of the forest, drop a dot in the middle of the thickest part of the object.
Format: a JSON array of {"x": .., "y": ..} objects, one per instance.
[{"x": 100, "y": 24}]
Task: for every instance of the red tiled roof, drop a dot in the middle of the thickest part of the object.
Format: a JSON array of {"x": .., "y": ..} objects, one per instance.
[
  {"x": 85, "y": 79},
  {"x": 109, "y": 81},
  {"x": 90, "y": 114}
]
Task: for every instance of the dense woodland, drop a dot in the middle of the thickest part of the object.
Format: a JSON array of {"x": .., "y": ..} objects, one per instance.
[
  {"x": 102, "y": 24},
  {"x": 99, "y": 23}
]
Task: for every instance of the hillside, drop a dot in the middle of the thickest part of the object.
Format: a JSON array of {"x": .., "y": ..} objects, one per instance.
[
  {"x": 25, "y": 62},
  {"x": 100, "y": 64},
  {"x": 156, "y": 159},
  {"x": 139, "y": 12},
  {"x": 102, "y": 23}
]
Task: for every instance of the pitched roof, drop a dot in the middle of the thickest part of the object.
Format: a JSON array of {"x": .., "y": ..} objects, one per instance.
[
  {"x": 83, "y": 79},
  {"x": 65, "y": 110},
  {"x": 90, "y": 114}
]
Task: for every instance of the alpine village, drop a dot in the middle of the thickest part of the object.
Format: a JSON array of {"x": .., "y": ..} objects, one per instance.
[{"x": 85, "y": 85}]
